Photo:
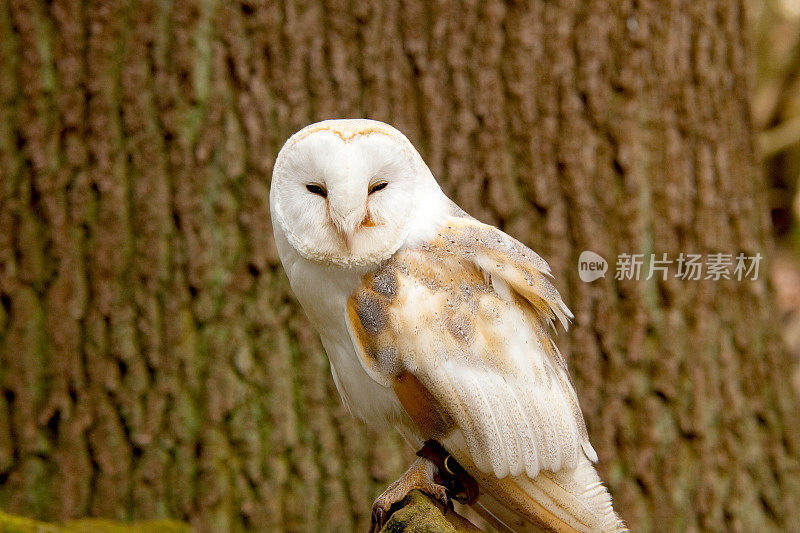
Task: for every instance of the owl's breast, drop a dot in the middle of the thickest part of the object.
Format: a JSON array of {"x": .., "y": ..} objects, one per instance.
[
  {"x": 323, "y": 292},
  {"x": 367, "y": 399}
]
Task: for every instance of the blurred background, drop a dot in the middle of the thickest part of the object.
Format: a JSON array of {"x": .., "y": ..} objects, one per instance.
[{"x": 153, "y": 362}]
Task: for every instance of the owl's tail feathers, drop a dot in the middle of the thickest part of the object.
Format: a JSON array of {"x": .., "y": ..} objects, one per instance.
[{"x": 565, "y": 501}]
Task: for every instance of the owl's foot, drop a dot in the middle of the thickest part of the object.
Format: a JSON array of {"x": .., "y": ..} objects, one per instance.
[{"x": 419, "y": 476}]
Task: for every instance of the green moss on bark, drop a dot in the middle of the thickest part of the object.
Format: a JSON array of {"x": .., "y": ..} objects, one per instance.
[
  {"x": 18, "y": 524},
  {"x": 420, "y": 514}
]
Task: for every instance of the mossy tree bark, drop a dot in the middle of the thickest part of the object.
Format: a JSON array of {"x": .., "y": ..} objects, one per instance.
[{"x": 152, "y": 360}]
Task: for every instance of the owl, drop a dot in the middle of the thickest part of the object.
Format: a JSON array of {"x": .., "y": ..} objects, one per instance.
[{"x": 438, "y": 325}]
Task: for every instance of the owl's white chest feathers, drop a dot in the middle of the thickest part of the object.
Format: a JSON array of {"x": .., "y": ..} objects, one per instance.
[{"x": 323, "y": 291}]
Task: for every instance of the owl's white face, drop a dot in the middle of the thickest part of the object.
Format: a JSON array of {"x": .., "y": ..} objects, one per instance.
[{"x": 343, "y": 191}]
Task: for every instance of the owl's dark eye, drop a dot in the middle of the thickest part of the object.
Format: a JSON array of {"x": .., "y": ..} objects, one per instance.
[
  {"x": 377, "y": 187},
  {"x": 317, "y": 189}
]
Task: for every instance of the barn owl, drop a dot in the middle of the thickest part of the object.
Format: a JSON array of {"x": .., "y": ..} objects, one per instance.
[{"x": 436, "y": 324}]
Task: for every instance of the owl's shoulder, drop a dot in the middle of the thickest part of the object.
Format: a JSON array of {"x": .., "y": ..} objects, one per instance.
[{"x": 466, "y": 271}]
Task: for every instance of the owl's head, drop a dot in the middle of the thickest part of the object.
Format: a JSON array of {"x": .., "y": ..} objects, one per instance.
[{"x": 346, "y": 191}]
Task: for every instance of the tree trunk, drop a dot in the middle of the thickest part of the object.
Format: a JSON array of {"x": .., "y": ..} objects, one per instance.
[{"x": 152, "y": 359}]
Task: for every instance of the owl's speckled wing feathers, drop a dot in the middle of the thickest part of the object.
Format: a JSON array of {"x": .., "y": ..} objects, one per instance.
[{"x": 459, "y": 328}]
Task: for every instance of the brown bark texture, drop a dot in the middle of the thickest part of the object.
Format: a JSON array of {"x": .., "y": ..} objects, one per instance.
[{"x": 152, "y": 359}]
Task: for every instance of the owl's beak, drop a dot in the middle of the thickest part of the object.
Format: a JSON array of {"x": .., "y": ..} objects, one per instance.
[
  {"x": 348, "y": 236},
  {"x": 348, "y": 241},
  {"x": 347, "y": 224}
]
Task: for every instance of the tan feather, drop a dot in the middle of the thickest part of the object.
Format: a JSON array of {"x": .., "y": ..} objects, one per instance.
[{"x": 567, "y": 501}]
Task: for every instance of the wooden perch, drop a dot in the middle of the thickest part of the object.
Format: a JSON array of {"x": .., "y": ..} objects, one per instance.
[{"x": 420, "y": 514}]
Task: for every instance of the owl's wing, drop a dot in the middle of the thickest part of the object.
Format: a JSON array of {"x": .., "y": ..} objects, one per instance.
[{"x": 459, "y": 328}]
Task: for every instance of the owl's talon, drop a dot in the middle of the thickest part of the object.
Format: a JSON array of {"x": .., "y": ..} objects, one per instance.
[
  {"x": 418, "y": 477},
  {"x": 378, "y": 519},
  {"x": 382, "y": 508},
  {"x": 441, "y": 496}
]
